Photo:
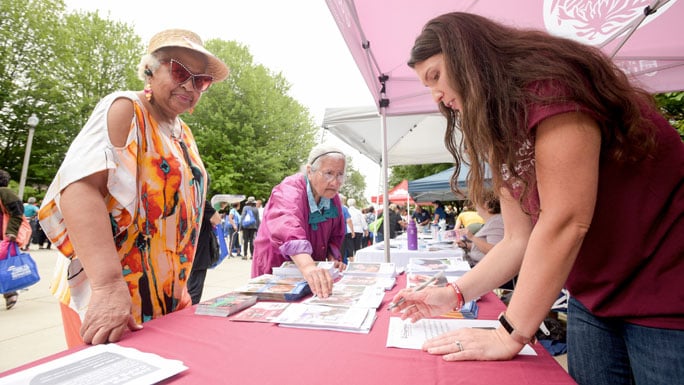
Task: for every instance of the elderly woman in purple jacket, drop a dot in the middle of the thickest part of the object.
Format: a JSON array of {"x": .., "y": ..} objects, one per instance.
[{"x": 303, "y": 220}]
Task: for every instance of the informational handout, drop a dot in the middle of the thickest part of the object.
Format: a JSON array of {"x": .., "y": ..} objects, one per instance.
[
  {"x": 406, "y": 335},
  {"x": 101, "y": 364}
]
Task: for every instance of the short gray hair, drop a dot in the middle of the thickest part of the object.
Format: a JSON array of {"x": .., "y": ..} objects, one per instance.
[
  {"x": 151, "y": 61},
  {"x": 323, "y": 151}
]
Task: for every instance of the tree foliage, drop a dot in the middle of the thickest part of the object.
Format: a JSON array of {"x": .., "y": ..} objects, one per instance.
[
  {"x": 672, "y": 107},
  {"x": 58, "y": 65},
  {"x": 413, "y": 172},
  {"x": 355, "y": 185},
  {"x": 250, "y": 133}
]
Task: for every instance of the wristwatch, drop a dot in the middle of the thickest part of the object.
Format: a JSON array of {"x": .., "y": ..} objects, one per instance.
[{"x": 519, "y": 338}]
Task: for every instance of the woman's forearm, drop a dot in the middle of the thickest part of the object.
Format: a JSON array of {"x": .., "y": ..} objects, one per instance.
[
  {"x": 303, "y": 261},
  {"x": 500, "y": 265},
  {"x": 87, "y": 220},
  {"x": 550, "y": 254}
]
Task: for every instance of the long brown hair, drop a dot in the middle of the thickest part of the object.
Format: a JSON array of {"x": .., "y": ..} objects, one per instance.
[{"x": 495, "y": 69}]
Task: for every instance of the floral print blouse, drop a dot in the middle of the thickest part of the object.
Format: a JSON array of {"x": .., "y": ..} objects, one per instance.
[{"x": 156, "y": 190}]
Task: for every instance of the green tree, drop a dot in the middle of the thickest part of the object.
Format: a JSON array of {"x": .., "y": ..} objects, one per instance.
[
  {"x": 26, "y": 49},
  {"x": 413, "y": 172},
  {"x": 355, "y": 185},
  {"x": 250, "y": 133},
  {"x": 57, "y": 66},
  {"x": 672, "y": 107}
]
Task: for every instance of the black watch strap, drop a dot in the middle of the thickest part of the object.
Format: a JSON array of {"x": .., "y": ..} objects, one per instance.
[{"x": 519, "y": 337}]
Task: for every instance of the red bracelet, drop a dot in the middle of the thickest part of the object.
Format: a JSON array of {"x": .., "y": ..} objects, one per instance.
[{"x": 460, "y": 301}]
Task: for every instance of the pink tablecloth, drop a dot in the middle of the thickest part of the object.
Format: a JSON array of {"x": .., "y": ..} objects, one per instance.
[{"x": 219, "y": 351}]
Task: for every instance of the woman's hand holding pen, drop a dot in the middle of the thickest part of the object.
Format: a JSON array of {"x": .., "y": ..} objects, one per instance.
[{"x": 425, "y": 303}]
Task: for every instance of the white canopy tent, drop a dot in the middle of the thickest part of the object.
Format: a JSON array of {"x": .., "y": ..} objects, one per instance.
[{"x": 411, "y": 139}]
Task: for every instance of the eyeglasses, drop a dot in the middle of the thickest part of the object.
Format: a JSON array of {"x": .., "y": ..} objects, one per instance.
[
  {"x": 329, "y": 176},
  {"x": 180, "y": 74}
]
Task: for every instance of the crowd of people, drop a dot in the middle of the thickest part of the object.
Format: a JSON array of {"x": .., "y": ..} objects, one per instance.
[{"x": 580, "y": 150}]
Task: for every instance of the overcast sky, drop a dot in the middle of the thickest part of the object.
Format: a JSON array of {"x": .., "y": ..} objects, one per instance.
[{"x": 298, "y": 38}]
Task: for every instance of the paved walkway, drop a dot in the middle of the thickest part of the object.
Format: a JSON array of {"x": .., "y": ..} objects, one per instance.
[{"x": 33, "y": 328}]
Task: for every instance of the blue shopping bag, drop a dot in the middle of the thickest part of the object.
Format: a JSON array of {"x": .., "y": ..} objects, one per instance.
[
  {"x": 218, "y": 233},
  {"x": 17, "y": 271}
]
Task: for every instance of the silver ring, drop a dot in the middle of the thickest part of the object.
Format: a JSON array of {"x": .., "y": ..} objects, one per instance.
[{"x": 459, "y": 345}]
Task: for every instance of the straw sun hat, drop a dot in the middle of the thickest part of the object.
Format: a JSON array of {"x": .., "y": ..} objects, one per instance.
[{"x": 190, "y": 40}]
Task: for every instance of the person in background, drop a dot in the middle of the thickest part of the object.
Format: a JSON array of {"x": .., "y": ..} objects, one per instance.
[
  {"x": 450, "y": 217},
  {"x": 125, "y": 206},
  {"x": 349, "y": 234},
  {"x": 489, "y": 234},
  {"x": 31, "y": 213},
  {"x": 396, "y": 224},
  {"x": 203, "y": 255},
  {"x": 233, "y": 226},
  {"x": 11, "y": 218},
  {"x": 404, "y": 215},
  {"x": 370, "y": 218},
  {"x": 249, "y": 230},
  {"x": 260, "y": 207},
  {"x": 578, "y": 151},
  {"x": 469, "y": 218},
  {"x": 303, "y": 220},
  {"x": 378, "y": 226},
  {"x": 39, "y": 236},
  {"x": 439, "y": 214},
  {"x": 359, "y": 225},
  {"x": 421, "y": 217}
]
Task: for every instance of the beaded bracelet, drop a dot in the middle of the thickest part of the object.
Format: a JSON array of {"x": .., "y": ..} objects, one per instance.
[{"x": 460, "y": 301}]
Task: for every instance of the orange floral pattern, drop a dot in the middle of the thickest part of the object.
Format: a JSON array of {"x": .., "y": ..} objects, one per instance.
[{"x": 157, "y": 186}]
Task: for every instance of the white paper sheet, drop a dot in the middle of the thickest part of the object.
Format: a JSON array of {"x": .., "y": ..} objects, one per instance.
[
  {"x": 101, "y": 364},
  {"x": 407, "y": 335}
]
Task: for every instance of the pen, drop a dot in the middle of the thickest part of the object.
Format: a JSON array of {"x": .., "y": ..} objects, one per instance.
[{"x": 418, "y": 288}]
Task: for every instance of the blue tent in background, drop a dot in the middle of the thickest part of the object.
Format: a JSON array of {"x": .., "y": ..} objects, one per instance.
[{"x": 437, "y": 187}]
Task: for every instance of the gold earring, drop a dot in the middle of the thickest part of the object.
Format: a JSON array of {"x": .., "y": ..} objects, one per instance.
[{"x": 148, "y": 92}]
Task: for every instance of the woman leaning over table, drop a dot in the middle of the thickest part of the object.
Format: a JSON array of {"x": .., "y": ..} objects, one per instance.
[
  {"x": 579, "y": 150},
  {"x": 134, "y": 172},
  {"x": 303, "y": 220}
]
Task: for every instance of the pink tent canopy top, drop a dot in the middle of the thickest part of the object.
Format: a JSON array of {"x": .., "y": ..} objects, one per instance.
[{"x": 380, "y": 34}]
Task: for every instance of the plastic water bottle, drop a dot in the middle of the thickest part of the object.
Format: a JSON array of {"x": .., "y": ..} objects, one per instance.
[
  {"x": 412, "y": 235},
  {"x": 435, "y": 231}
]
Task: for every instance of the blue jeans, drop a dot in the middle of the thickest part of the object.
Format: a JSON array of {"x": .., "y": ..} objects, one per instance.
[{"x": 612, "y": 351}]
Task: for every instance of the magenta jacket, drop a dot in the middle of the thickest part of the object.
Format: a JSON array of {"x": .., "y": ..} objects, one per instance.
[{"x": 285, "y": 228}]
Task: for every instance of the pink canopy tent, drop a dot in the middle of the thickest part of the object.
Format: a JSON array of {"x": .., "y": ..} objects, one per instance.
[{"x": 640, "y": 36}]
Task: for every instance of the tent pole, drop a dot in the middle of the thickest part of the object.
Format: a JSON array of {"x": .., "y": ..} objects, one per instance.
[
  {"x": 383, "y": 103},
  {"x": 385, "y": 193},
  {"x": 626, "y": 32}
]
